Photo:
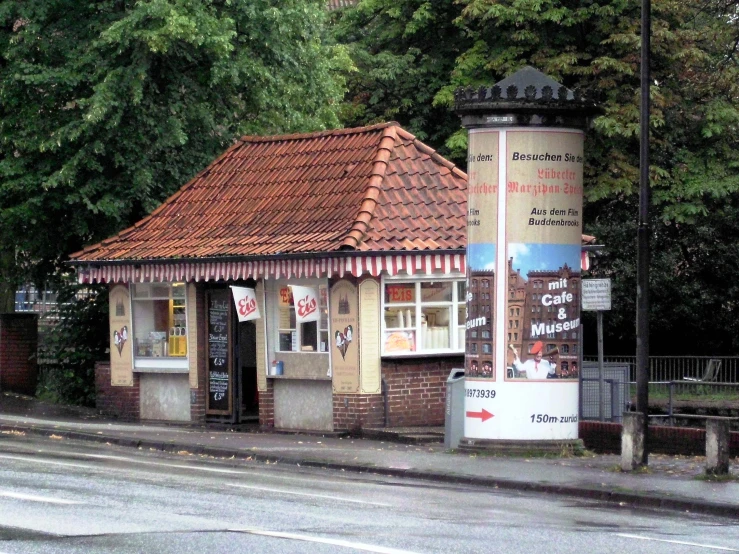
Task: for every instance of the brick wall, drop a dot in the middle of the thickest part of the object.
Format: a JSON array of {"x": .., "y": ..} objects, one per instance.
[
  {"x": 416, "y": 389},
  {"x": 606, "y": 437},
  {"x": 267, "y": 406},
  {"x": 357, "y": 411},
  {"x": 18, "y": 344},
  {"x": 121, "y": 402}
]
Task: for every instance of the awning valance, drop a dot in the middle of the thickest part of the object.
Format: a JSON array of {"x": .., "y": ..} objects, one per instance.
[{"x": 409, "y": 264}]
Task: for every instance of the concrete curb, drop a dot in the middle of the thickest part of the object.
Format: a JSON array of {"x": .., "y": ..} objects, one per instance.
[{"x": 621, "y": 498}]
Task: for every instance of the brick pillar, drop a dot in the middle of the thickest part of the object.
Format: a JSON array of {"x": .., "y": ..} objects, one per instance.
[
  {"x": 18, "y": 346},
  {"x": 267, "y": 406}
]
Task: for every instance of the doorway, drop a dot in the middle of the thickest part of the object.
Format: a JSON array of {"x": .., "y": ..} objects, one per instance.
[{"x": 247, "y": 401}]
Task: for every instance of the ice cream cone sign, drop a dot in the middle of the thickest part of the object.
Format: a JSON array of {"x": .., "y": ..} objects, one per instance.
[{"x": 343, "y": 340}]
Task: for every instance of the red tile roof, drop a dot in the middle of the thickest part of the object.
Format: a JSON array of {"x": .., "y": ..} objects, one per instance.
[{"x": 369, "y": 189}]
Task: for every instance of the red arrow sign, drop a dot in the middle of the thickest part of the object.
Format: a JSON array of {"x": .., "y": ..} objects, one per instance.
[{"x": 484, "y": 415}]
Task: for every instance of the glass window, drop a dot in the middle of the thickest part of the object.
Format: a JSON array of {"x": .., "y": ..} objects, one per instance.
[
  {"x": 306, "y": 337},
  {"x": 159, "y": 320},
  {"x": 428, "y": 314}
]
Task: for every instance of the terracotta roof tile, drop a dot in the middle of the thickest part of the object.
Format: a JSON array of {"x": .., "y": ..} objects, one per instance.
[{"x": 371, "y": 188}]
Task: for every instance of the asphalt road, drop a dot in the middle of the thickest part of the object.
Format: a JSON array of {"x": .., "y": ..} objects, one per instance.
[{"x": 63, "y": 496}]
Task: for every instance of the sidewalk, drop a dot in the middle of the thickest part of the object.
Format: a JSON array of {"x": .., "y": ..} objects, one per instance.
[{"x": 672, "y": 482}]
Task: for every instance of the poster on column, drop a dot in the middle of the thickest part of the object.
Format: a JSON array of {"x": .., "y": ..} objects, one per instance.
[
  {"x": 544, "y": 175},
  {"x": 482, "y": 224},
  {"x": 121, "y": 351}
]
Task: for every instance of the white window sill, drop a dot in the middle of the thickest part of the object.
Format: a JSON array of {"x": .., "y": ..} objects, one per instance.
[
  {"x": 161, "y": 365},
  {"x": 423, "y": 354}
]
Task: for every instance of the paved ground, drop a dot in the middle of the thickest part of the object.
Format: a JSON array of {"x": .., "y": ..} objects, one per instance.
[{"x": 671, "y": 482}]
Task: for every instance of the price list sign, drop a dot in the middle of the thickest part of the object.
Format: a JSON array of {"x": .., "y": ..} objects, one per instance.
[{"x": 219, "y": 369}]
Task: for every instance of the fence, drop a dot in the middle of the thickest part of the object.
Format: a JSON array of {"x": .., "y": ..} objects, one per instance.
[
  {"x": 691, "y": 401},
  {"x": 678, "y": 368}
]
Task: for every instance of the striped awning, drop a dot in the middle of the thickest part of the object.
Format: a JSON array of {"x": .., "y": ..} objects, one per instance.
[{"x": 409, "y": 264}]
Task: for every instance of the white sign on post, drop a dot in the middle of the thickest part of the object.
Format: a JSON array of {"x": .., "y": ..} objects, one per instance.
[{"x": 596, "y": 295}]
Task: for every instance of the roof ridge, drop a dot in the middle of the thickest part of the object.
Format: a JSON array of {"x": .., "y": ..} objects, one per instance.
[
  {"x": 367, "y": 207},
  {"x": 318, "y": 134},
  {"x": 426, "y": 149}
]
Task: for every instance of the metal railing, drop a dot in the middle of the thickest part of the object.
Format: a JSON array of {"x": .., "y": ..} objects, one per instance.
[
  {"x": 691, "y": 399},
  {"x": 678, "y": 368}
]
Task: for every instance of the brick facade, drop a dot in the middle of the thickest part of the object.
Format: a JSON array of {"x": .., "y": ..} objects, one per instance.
[
  {"x": 121, "y": 402},
  {"x": 353, "y": 412},
  {"x": 416, "y": 389},
  {"x": 267, "y": 407},
  {"x": 18, "y": 344}
]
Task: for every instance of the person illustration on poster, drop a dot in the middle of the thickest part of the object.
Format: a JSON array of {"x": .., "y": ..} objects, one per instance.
[
  {"x": 536, "y": 368},
  {"x": 473, "y": 368},
  {"x": 487, "y": 369}
]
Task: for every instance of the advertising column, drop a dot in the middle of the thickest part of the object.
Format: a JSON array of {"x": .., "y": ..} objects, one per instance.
[{"x": 524, "y": 241}]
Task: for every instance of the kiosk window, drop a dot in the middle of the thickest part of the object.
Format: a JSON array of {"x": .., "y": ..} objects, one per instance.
[
  {"x": 429, "y": 315},
  {"x": 304, "y": 337},
  {"x": 159, "y": 320}
]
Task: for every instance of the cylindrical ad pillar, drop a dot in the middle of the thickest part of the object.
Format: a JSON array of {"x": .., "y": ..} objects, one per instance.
[{"x": 524, "y": 226}]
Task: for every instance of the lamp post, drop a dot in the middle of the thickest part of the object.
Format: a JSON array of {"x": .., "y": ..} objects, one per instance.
[{"x": 643, "y": 231}]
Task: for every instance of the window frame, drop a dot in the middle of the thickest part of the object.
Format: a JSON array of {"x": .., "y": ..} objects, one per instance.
[
  {"x": 457, "y": 303},
  {"x": 167, "y": 362},
  {"x": 277, "y": 330}
]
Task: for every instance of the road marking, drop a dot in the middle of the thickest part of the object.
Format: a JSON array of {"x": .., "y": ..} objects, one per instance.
[
  {"x": 323, "y": 496},
  {"x": 335, "y": 542},
  {"x": 48, "y": 462},
  {"x": 641, "y": 538},
  {"x": 34, "y": 498},
  {"x": 249, "y": 471}
]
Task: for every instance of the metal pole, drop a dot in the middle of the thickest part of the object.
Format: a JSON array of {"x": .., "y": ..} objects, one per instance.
[
  {"x": 642, "y": 286},
  {"x": 601, "y": 371}
]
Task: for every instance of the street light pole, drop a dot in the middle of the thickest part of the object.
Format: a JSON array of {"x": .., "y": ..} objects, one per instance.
[{"x": 642, "y": 285}]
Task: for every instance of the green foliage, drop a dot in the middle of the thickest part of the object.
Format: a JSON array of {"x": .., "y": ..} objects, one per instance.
[
  {"x": 107, "y": 107},
  {"x": 409, "y": 51},
  {"x": 693, "y": 296},
  {"x": 75, "y": 343},
  {"x": 404, "y": 53}
]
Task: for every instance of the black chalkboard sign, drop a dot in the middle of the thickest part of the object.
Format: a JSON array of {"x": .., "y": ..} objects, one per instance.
[{"x": 219, "y": 367}]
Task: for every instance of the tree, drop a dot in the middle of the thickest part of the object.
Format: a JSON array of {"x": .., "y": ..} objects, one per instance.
[
  {"x": 595, "y": 45},
  {"x": 404, "y": 52},
  {"x": 107, "y": 107}
]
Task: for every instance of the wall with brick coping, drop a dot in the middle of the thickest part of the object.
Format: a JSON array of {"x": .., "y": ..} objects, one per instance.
[
  {"x": 606, "y": 437},
  {"x": 18, "y": 345},
  {"x": 120, "y": 402}
]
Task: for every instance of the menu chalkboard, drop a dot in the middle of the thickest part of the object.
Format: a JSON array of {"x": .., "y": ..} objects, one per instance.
[{"x": 219, "y": 378}]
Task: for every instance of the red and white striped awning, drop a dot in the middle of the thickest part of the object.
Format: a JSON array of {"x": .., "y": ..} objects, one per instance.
[{"x": 408, "y": 264}]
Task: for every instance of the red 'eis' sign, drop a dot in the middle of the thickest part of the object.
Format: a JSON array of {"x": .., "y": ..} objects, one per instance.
[
  {"x": 247, "y": 306},
  {"x": 307, "y": 306}
]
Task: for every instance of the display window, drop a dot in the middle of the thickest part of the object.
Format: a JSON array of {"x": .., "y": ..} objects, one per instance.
[
  {"x": 423, "y": 316},
  {"x": 159, "y": 322},
  {"x": 301, "y": 337}
]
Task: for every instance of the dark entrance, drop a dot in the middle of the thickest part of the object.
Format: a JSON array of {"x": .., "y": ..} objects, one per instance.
[
  {"x": 232, "y": 395},
  {"x": 247, "y": 401}
]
